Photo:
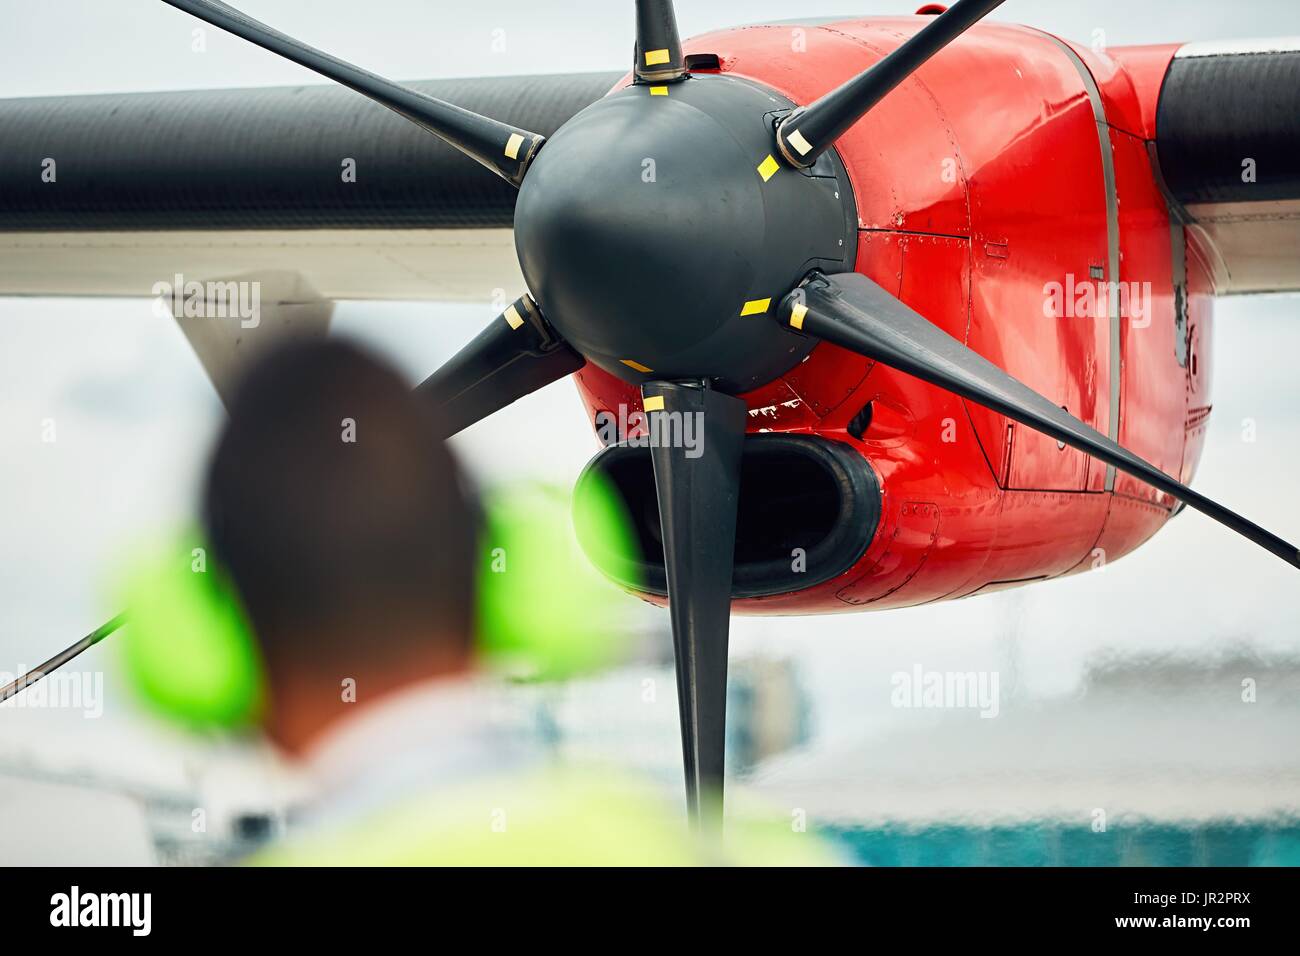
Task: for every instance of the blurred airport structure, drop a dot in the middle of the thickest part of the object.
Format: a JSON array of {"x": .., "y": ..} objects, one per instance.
[
  {"x": 1165, "y": 755},
  {"x": 1156, "y": 762}
]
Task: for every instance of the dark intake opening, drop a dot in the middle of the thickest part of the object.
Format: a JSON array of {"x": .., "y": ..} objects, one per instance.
[{"x": 796, "y": 492}]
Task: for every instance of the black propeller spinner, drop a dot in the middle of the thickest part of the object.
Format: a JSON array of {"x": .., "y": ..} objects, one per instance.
[
  {"x": 684, "y": 234},
  {"x": 658, "y": 232}
]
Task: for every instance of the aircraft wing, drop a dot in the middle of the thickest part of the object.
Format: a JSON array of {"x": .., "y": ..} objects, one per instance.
[
  {"x": 314, "y": 189},
  {"x": 1228, "y": 142},
  {"x": 228, "y": 183}
]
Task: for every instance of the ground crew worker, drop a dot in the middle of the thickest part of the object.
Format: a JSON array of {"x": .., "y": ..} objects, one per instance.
[{"x": 346, "y": 529}]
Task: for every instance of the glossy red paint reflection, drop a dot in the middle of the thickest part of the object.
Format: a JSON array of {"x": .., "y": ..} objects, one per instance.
[{"x": 981, "y": 190}]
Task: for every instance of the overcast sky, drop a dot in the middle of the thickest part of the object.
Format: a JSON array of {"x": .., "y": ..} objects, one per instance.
[
  {"x": 135, "y": 412},
  {"x": 89, "y": 46}
]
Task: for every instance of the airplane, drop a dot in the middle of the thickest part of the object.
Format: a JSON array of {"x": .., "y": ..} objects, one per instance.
[{"x": 885, "y": 311}]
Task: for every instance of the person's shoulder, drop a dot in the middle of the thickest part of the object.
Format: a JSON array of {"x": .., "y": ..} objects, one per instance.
[
  {"x": 549, "y": 818},
  {"x": 545, "y": 818}
]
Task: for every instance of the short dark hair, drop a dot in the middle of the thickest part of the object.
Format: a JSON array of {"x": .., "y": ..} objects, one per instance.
[{"x": 339, "y": 514}]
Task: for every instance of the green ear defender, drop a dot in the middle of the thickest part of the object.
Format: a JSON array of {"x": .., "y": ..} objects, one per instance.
[
  {"x": 544, "y": 612},
  {"x": 188, "y": 648}
]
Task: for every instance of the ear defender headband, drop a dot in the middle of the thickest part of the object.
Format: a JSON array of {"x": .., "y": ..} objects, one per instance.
[{"x": 543, "y": 611}]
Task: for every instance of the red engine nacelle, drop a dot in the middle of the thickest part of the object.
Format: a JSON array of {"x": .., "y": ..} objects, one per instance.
[{"x": 999, "y": 192}]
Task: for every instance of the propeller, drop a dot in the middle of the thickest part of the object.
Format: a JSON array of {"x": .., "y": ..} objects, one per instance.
[
  {"x": 856, "y": 314},
  {"x": 504, "y": 149},
  {"x": 698, "y": 497},
  {"x": 658, "y": 48},
  {"x": 808, "y": 132},
  {"x": 514, "y": 356},
  {"x": 599, "y": 231},
  {"x": 655, "y": 232}
]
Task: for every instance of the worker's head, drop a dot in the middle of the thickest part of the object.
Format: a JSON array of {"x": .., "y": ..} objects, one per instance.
[{"x": 344, "y": 525}]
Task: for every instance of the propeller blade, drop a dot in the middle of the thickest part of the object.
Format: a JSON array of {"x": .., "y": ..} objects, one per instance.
[
  {"x": 61, "y": 658},
  {"x": 504, "y": 149},
  {"x": 517, "y": 354},
  {"x": 658, "y": 48},
  {"x": 853, "y": 312},
  {"x": 698, "y": 498},
  {"x": 811, "y": 130}
]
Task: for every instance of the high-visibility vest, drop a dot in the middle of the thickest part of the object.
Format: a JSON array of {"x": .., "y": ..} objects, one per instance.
[{"x": 551, "y": 818}]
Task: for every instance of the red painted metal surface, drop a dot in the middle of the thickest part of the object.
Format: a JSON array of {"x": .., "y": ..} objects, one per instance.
[{"x": 979, "y": 183}]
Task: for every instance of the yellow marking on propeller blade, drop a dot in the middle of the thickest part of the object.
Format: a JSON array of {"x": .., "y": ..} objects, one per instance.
[
  {"x": 658, "y": 91},
  {"x": 755, "y": 306},
  {"x": 653, "y": 403},
  {"x": 797, "y": 314},
  {"x": 655, "y": 57},
  {"x": 796, "y": 140},
  {"x": 513, "y": 318},
  {"x": 768, "y": 167},
  {"x": 513, "y": 144},
  {"x": 637, "y": 366}
]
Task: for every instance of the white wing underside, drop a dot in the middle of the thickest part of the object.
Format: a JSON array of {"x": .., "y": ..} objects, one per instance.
[
  {"x": 299, "y": 275},
  {"x": 449, "y": 265}
]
